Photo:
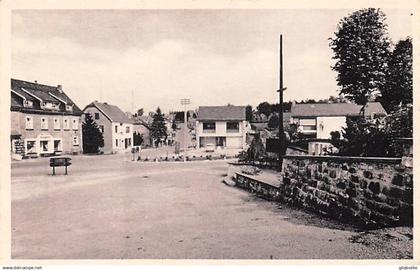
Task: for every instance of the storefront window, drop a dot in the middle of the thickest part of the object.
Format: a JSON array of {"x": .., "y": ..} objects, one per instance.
[
  {"x": 30, "y": 147},
  {"x": 57, "y": 145},
  {"x": 44, "y": 146}
]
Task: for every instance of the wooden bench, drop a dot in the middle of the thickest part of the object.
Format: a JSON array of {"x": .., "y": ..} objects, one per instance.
[{"x": 60, "y": 162}]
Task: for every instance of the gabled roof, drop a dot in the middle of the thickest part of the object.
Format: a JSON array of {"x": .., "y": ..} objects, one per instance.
[
  {"x": 222, "y": 113},
  {"x": 45, "y": 93},
  {"x": 112, "y": 112},
  {"x": 335, "y": 109}
]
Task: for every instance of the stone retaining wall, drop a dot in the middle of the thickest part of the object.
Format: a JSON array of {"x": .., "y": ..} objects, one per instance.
[{"x": 369, "y": 192}]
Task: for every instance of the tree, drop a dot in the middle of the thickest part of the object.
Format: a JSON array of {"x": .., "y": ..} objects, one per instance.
[
  {"x": 264, "y": 108},
  {"x": 158, "y": 130},
  {"x": 140, "y": 112},
  {"x": 361, "y": 50},
  {"x": 248, "y": 113},
  {"x": 363, "y": 137},
  {"x": 273, "y": 121},
  {"x": 256, "y": 150},
  {"x": 399, "y": 87},
  {"x": 137, "y": 138},
  {"x": 92, "y": 136}
]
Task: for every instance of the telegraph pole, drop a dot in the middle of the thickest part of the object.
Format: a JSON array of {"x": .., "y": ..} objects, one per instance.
[
  {"x": 282, "y": 142},
  {"x": 185, "y": 102}
]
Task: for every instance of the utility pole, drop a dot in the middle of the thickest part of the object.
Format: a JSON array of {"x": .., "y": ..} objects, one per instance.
[
  {"x": 185, "y": 102},
  {"x": 282, "y": 142}
]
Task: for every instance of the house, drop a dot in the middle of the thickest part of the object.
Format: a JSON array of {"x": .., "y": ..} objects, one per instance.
[
  {"x": 116, "y": 127},
  {"x": 44, "y": 120},
  {"x": 221, "y": 126},
  {"x": 316, "y": 121}
]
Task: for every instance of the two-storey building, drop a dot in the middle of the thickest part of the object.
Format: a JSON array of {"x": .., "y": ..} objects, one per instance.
[
  {"x": 44, "y": 120},
  {"x": 115, "y": 125},
  {"x": 221, "y": 126},
  {"x": 317, "y": 121}
]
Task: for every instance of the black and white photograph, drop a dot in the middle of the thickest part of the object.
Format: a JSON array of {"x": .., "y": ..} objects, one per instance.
[{"x": 211, "y": 133}]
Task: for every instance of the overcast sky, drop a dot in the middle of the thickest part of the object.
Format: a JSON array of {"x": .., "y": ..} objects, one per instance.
[{"x": 213, "y": 57}]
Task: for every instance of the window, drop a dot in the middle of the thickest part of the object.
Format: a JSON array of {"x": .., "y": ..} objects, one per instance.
[
  {"x": 56, "y": 124},
  {"x": 57, "y": 145},
  {"x": 129, "y": 141},
  {"x": 101, "y": 128},
  {"x": 116, "y": 142},
  {"x": 44, "y": 146},
  {"x": 75, "y": 140},
  {"x": 69, "y": 108},
  {"x": 307, "y": 125},
  {"x": 209, "y": 127},
  {"x": 116, "y": 129},
  {"x": 96, "y": 116},
  {"x": 27, "y": 103},
  {"x": 44, "y": 123},
  {"x": 29, "y": 123},
  {"x": 30, "y": 147},
  {"x": 66, "y": 124},
  {"x": 74, "y": 124},
  {"x": 232, "y": 126},
  {"x": 127, "y": 129}
]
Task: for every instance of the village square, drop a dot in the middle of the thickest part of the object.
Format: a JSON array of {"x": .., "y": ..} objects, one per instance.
[{"x": 156, "y": 173}]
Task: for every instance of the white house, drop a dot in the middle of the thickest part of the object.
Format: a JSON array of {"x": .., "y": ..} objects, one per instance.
[
  {"x": 317, "y": 121},
  {"x": 221, "y": 126},
  {"x": 116, "y": 127}
]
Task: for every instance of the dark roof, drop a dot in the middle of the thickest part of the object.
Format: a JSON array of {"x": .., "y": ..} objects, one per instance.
[
  {"x": 112, "y": 112},
  {"x": 33, "y": 91},
  {"x": 335, "y": 109},
  {"x": 222, "y": 113}
]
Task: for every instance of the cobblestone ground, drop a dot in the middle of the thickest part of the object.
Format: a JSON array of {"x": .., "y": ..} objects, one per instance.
[{"x": 111, "y": 208}]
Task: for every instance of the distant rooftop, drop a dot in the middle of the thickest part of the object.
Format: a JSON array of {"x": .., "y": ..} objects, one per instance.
[
  {"x": 335, "y": 109},
  {"x": 221, "y": 113},
  {"x": 112, "y": 112}
]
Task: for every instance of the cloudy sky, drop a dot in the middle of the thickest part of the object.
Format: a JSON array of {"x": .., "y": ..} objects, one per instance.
[{"x": 213, "y": 57}]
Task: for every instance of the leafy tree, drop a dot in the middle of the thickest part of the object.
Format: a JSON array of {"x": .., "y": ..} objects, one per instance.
[
  {"x": 361, "y": 50},
  {"x": 248, "y": 113},
  {"x": 264, "y": 108},
  {"x": 363, "y": 138},
  {"x": 92, "y": 136},
  {"x": 158, "y": 130},
  {"x": 174, "y": 126},
  {"x": 273, "y": 121},
  {"x": 140, "y": 112},
  {"x": 399, "y": 87},
  {"x": 137, "y": 138},
  {"x": 256, "y": 150}
]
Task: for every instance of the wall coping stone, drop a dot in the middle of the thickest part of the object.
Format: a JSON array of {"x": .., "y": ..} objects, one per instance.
[{"x": 346, "y": 158}]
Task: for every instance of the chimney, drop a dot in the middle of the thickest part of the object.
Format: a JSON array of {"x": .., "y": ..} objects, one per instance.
[{"x": 60, "y": 88}]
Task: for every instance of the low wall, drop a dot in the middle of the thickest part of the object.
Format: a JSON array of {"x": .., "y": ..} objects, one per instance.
[
  {"x": 262, "y": 189},
  {"x": 369, "y": 192}
]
